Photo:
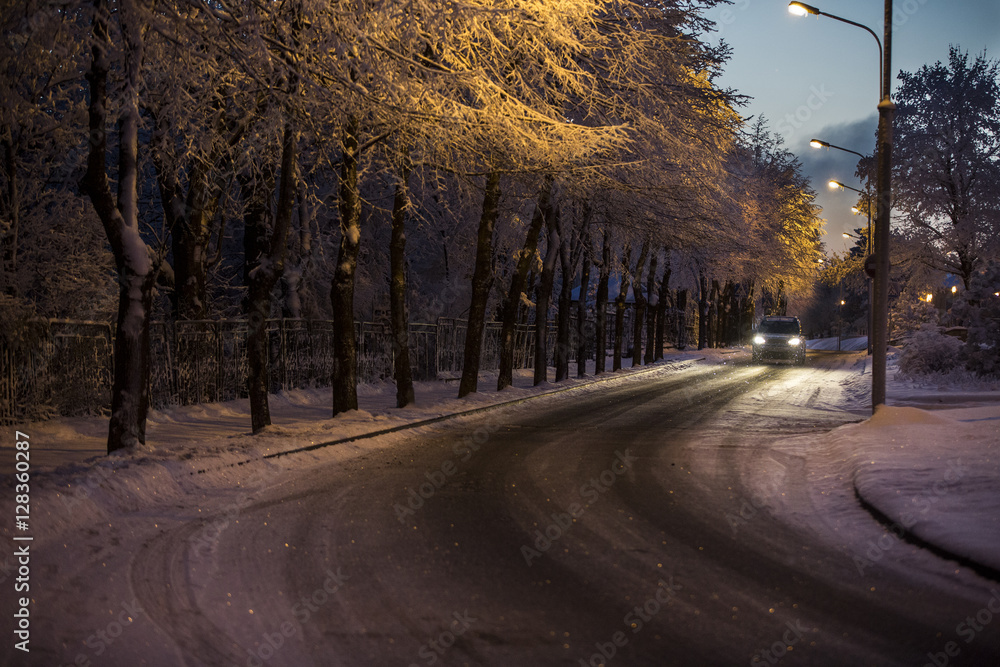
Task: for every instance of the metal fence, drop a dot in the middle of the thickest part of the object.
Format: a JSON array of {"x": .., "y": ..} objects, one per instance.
[{"x": 65, "y": 367}]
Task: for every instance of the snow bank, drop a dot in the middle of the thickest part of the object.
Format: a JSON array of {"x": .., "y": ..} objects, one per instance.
[{"x": 936, "y": 474}]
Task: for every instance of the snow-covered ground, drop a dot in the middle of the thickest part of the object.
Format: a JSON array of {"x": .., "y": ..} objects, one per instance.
[{"x": 928, "y": 464}]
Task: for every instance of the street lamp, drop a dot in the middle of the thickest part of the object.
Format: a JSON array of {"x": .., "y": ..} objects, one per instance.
[
  {"x": 802, "y": 9},
  {"x": 883, "y": 190},
  {"x": 868, "y": 247},
  {"x": 837, "y": 185},
  {"x": 819, "y": 143}
]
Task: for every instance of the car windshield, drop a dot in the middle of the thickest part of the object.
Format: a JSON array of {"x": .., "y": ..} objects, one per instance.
[{"x": 779, "y": 327}]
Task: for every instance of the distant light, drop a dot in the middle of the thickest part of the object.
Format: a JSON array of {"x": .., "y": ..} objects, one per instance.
[
  {"x": 801, "y": 9},
  {"x": 930, "y": 297},
  {"x": 816, "y": 143},
  {"x": 842, "y": 302},
  {"x": 954, "y": 289}
]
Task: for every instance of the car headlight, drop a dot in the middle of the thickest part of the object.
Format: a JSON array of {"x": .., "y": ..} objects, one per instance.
[
  {"x": 759, "y": 340},
  {"x": 795, "y": 341}
]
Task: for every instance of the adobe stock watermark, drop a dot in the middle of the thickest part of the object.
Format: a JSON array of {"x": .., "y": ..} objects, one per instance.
[
  {"x": 728, "y": 15},
  {"x": 794, "y": 633},
  {"x": 302, "y": 611},
  {"x": 634, "y": 620},
  {"x": 103, "y": 638},
  {"x": 434, "y": 649},
  {"x": 968, "y": 629},
  {"x": 591, "y": 492},
  {"x": 792, "y": 122},
  {"x": 749, "y": 508},
  {"x": 902, "y": 11},
  {"x": 464, "y": 450},
  {"x": 877, "y": 548}
]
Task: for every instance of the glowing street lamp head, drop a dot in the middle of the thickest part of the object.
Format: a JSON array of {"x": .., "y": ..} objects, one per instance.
[
  {"x": 801, "y": 9},
  {"x": 855, "y": 210},
  {"x": 835, "y": 185},
  {"x": 847, "y": 236},
  {"x": 816, "y": 143}
]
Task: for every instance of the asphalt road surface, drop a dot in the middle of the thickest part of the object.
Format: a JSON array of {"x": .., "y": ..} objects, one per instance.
[{"x": 609, "y": 526}]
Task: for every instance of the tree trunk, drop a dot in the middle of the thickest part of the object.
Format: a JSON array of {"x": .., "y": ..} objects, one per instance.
[
  {"x": 601, "y": 307},
  {"x": 568, "y": 269},
  {"x": 661, "y": 307},
  {"x": 652, "y": 301},
  {"x": 543, "y": 297},
  {"x": 508, "y": 326},
  {"x": 640, "y": 307},
  {"x": 345, "y": 345},
  {"x": 581, "y": 310},
  {"x": 398, "y": 317},
  {"x": 189, "y": 241},
  {"x": 714, "y": 331},
  {"x": 263, "y": 276},
  {"x": 616, "y": 362},
  {"x": 10, "y": 209},
  {"x": 482, "y": 281},
  {"x": 748, "y": 310},
  {"x": 682, "y": 338},
  {"x": 727, "y": 313},
  {"x": 120, "y": 218},
  {"x": 702, "y": 311}
]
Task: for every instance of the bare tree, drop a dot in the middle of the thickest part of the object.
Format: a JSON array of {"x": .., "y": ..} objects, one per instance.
[{"x": 137, "y": 264}]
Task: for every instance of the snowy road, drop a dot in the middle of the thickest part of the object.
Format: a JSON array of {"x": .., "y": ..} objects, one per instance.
[{"x": 631, "y": 525}]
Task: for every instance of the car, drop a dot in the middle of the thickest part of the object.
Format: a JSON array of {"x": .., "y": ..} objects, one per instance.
[{"x": 779, "y": 337}]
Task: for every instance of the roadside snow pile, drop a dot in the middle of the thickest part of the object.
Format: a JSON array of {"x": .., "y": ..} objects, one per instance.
[{"x": 935, "y": 474}]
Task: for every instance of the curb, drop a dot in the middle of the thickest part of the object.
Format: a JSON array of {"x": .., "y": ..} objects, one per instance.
[
  {"x": 453, "y": 415},
  {"x": 906, "y": 535}
]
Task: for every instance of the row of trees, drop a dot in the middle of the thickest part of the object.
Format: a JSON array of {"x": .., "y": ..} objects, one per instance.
[{"x": 477, "y": 158}]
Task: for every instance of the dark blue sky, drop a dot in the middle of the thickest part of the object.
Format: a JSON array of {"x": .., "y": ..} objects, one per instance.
[{"x": 815, "y": 77}]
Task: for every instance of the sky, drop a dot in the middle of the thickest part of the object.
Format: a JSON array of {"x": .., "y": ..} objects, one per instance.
[{"x": 815, "y": 77}]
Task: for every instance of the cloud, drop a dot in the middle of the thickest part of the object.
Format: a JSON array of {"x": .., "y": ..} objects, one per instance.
[{"x": 822, "y": 165}]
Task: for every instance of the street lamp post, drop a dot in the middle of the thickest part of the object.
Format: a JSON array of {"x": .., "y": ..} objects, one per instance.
[
  {"x": 869, "y": 241},
  {"x": 854, "y": 209},
  {"x": 883, "y": 189},
  {"x": 883, "y": 193}
]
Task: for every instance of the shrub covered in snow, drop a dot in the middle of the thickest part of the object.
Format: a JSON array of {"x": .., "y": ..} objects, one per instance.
[
  {"x": 930, "y": 351},
  {"x": 910, "y": 313},
  {"x": 980, "y": 312}
]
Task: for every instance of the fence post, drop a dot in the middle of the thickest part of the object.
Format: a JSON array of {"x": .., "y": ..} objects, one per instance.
[
  {"x": 283, "y": 345},
  {"x": 219, "y": 380}
]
